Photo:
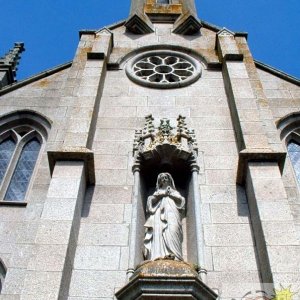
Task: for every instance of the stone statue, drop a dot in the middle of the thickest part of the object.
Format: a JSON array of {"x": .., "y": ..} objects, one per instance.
[{"x": 163, "y": 227}]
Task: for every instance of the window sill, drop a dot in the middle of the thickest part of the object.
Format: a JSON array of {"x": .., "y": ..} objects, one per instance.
[{"x": 13, "y": 203}]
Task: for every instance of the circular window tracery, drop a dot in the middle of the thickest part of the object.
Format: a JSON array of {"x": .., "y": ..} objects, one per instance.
[{"x": 163, "y": 69}]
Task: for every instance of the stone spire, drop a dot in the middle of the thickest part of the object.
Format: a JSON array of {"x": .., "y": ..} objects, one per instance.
[
  {"x": 9, "y": 63},
  {"x": 182, "y": 13}
]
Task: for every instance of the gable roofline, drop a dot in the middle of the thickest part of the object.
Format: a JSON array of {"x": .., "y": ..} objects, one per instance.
[
  {"x": 276, "y": 72},
  {"x": 115, "y": 25},
  {"x": 34, "y": 78}
]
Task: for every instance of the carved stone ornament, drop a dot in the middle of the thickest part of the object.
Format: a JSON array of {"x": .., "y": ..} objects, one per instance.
[{"x": 165, "y": 141}]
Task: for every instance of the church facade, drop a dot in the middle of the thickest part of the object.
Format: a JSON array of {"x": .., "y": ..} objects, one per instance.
[{"x": 161, "y": 163}]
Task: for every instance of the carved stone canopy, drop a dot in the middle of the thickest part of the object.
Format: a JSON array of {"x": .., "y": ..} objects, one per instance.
[{"x": 165, "y": 142}]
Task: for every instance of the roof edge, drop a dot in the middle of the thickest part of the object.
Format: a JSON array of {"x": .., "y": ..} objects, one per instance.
[
  {"x": 277, "y": 72},
  {"x": 34, "y": 78}
]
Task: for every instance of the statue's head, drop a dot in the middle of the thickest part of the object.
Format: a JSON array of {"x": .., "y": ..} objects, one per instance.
[{"x": 165, "y": 180}]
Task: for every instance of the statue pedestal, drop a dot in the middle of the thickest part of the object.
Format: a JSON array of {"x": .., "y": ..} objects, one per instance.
[{"x": 165, "y": 279}]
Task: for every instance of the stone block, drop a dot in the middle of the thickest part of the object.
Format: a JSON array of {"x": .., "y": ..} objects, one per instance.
[
  {"x": 223, "y": 194},
  {"x": 205, "y": 123},
  {"x": 213, "y": 111},
  {"x": 103, "y": 234},
  {"x": 256, "y": 141},
  {"x": 202, "y": 101},
  {"x": 280, "y": 233},
  {"x": 119, "y": 91},
  {"x": 53, "y": 232},
  {"x": 233, "y": 284},
  {"x": 222, "y": 149},
  {"x": 20, "y": 255},
  {"x": 103, "y": 213},
  {"x": 124, "y": 101},
  {"x": 42, "y": 176},
  {"x": 127, "y": 213},
  {"x": 111, "y": 162},
  {"x": 14, "y": 281},
  {"x": 161, "y": 101},
  {"x": 274, "y": 94},
  {"x": 109, "y": 194},
  {"x": 60, "y": 209},
  {"x": 284, "y": 259},
  {"x": 78, "y": 139},
  {"x": 64, "y": 188},
  {"x": 48, "y": 258},
  {"x": 109, "y": 148},
  {"x": 163, "y": 111},
  {"x": 116, "y": 123},
  {"x": 97, "y": 258},
  {"x": 69, "y": 169},
  {"x": 37, "y": 283},
  {"x": 215, "y": 135},
  {"x": 225, "y": 162},
  {"x": 114, "y": 135},
  {"x": 274, "y": 211},
  {"x": 124, "y": 258},
  {"x": 228, "y": 259},
  {"x": 111, "y": 177},
  {"x": 219, "y": 177},
  {"x": 229, "y": 213},
  {"x": 136, "y": 90},
  {"x": 206, "y": 91},
  {"x": 79, "y": 125},
  {"x": 237, "y": 70},
  {"x": 264, "y": 193},
  {"x": 95, "y": 283},
  {"x": 18, "y": 232},
  {"x": 228, "y": 235},
  {"x": 117, "y": 111}
]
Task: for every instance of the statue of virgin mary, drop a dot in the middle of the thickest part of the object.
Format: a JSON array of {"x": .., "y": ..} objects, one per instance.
[{"x": 163, "y": 227}]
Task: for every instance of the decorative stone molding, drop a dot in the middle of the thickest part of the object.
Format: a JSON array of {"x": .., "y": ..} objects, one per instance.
[
  {"x": 187, "y": 25},
  {"x": 163, "y": 69},
  {"x": 150, "y": 141},
  {"x": 74, "y": 154},
  {"x": 166, "y": 279}
]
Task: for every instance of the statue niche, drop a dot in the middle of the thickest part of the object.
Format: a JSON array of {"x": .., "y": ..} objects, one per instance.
[
  {"x": 166, "y": 220},
  {"x": 163, "y": 227}
]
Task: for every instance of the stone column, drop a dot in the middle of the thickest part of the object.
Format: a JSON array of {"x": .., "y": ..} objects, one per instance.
[
  {"x": 72, "y": 167},
  {"x": 273, "y": 226},
  {"x": 49, "y": 270},
  {"x": 198, "y": 225},
  {"x": 137, "y": 224},
  {"x": 261, "y": 158}
]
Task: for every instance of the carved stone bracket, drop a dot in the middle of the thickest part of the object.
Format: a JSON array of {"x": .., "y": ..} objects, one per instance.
[{"x": 165, "y": 141}]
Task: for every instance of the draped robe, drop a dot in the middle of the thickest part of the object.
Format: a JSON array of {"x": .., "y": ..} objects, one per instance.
[{"x": 163, "y": 228}]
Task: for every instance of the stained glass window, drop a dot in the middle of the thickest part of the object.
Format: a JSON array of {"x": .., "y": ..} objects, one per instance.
[
  {"x": 19, "y": 182},
  {"x": 7, "y": 148},
  {"x": 294, "y": 154}
]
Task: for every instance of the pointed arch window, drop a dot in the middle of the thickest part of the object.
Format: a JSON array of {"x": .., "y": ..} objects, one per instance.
[
  {"x": 2, "y": 275},
  {"x": 19, "y": 152},
  {"x": 293, "y": 148}
]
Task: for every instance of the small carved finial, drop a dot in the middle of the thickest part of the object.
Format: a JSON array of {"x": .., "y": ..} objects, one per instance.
[
  {"x": 9, "y": 63},
  {"x": 12, "y": 57}
]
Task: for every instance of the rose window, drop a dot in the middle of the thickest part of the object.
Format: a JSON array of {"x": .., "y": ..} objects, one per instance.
[{"x": 164, "y": 69}]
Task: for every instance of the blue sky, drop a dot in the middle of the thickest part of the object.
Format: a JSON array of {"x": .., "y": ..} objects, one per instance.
[{"x": 50, "y": 28}]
